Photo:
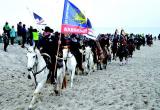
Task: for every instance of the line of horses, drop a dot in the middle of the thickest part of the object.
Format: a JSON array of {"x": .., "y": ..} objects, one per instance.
[{"x": 39, "y": 72}]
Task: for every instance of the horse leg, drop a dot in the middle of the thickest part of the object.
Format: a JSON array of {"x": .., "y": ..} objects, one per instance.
[
  {"x": 101, "y": 64},
  {"x": 59, "y": 72},
  {"x": 121, "y": 60},
  {"x": 126, "y": 60},
  {"x": 36, "y": 94},
  {"x": 113, "y": 56},
  {"x": 98, "y": 65},
  {"x": 60, "y": 78},
  {"x": 30, "y": 76},
  {"x": 72, "y": 76},
  {"x": 104, "y": 63}
]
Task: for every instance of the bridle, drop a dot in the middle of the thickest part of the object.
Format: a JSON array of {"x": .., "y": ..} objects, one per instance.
[{"x": 34, "y": 69}]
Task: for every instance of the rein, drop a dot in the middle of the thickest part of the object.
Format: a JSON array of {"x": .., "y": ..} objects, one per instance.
[{"x": 35, "y": 72}]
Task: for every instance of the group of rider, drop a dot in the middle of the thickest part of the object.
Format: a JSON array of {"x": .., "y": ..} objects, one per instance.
[{"x": 52, "y": 43}]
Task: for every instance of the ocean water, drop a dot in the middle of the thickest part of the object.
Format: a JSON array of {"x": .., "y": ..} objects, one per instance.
[{"x": 155, "y": 31}]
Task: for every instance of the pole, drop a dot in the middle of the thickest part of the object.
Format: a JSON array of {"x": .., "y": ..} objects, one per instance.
[
  {"x": 59, "y": 39},
  {"x": 54, "y": 72}
]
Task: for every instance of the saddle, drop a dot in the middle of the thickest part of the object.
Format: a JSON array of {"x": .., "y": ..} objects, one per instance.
[
  {"x": 48, "y": 62},
  {"x": 59, "y": 63}
]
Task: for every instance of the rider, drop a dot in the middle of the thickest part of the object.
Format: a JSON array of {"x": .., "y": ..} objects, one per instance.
[
  {"x": 75, "y": 46},
  {"x": 49, "y": 44},
  {"x": 123, "y": 42},
  {"x": 123, "y": 39}
]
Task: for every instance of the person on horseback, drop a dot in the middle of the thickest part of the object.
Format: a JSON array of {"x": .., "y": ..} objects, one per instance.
[
  {"x": 122, "y": 48},
  {"x": 130, "y": 45},
  {"x": 74, "y": 48},
  {"x": 115, "y": 44},
  {"x": 49, "y": 44},
  {"x": 123, "y": 39}
]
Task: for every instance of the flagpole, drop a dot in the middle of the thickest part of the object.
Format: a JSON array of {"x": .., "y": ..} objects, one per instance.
[{"x": 59, "y": 43}]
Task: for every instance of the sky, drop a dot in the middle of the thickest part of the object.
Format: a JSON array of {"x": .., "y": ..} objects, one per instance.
[{"x": 102, "y": 13}]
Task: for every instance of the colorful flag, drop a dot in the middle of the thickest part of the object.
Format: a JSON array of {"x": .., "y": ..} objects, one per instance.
[
  {"x": 89, "y": 25},
  {"x": 73, "y": 20},
  {"x": 39, "y": 20}
]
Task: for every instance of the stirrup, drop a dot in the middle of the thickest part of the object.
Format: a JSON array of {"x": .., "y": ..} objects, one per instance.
[{"x": 55, "y": 81}]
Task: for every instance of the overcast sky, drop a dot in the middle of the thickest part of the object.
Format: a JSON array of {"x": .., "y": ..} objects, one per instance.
[{"x": 102, "y": 13}]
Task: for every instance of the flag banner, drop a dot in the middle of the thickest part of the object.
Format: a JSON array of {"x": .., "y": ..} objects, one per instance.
[
  {"x": 73, "y": 20},
  {"x": 39, "y": 20},
  {"x": 89, "y": 25}
]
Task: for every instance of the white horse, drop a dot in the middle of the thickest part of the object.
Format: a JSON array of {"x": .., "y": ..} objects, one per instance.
[
  {"x": 39, "y": 72},
  {"x": 89, "y": 63},
  {"x": 71, "y": 63}
]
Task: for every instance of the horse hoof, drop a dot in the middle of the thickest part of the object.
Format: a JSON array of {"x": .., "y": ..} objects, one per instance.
[
  {"x": 56, "y": 92},
  {"x": 30, "y": 109},
  {"x": 29, "y": 77}
]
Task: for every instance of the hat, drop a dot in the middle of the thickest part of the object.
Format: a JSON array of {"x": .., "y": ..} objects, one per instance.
[{"x": 48, "y": 29}]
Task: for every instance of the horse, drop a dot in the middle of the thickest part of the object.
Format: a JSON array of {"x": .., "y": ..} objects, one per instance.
[
  {"x": 71, "y": 63},
  {"x": 114, "y": 50},
  {"x": 130, "y": 48},
  {"x": 88, "y": 63},
  {"x": 39, "y": 72},
  {"x": 122, "y": 52},
  {"x": 103, "y": 53}
]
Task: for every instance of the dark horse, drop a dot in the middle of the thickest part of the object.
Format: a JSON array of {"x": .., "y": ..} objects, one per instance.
[
  {"x": 122, "y": 52},
  {"x": 114, "y": 47},
  {"x": 130, "y": 46}
]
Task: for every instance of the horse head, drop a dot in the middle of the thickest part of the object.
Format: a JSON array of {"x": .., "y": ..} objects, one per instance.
[
  {"x": 65, "y": 53},
  {"x": 87, "y": 51},
  {"x": 31, "y": 58}
]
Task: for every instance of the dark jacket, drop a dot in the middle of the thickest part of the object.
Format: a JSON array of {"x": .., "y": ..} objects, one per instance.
[{"x": 19, "y": 30}]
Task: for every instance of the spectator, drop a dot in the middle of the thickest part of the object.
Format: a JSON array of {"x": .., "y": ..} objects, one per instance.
[
  {"x": 12, "y": 35},
  {"x": 5, "y": 41},
  {"x": 24, "y": 32},
  {"x": 19, "y": 33}
]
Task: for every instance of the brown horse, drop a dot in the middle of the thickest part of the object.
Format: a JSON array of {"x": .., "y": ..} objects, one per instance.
[{"x": 102, "y": 55}]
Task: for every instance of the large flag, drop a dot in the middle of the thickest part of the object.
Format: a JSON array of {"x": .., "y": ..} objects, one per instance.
[
  {"x": 89, "y": 25},
  {"x": 39, "y": 20},
  {"x": 73, "y": 20}
]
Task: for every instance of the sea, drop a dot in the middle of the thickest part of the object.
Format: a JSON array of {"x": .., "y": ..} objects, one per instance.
[{"x": 155, "y": 31}]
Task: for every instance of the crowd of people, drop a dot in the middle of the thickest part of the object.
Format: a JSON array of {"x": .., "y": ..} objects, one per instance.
[{"x": 21, "y": 35}]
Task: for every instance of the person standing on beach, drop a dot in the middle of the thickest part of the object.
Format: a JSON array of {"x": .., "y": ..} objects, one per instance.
[
  {"x": 12, "y": 35},
  {"x": 30, "y": 36},
  {"x": 7, "y": 29},
  {"x": 24, "y": 32},
  {"x": 35, "y": 37},
  {"x": 5, "y": 41},
  {"x": 19, "y": 33}
]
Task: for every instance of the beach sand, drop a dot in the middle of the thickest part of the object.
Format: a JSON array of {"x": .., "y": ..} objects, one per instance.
[{"x": 135, "y": 86}]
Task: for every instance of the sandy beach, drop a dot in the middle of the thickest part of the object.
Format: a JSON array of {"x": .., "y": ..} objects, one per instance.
[{"x": 135, "y": 86}]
